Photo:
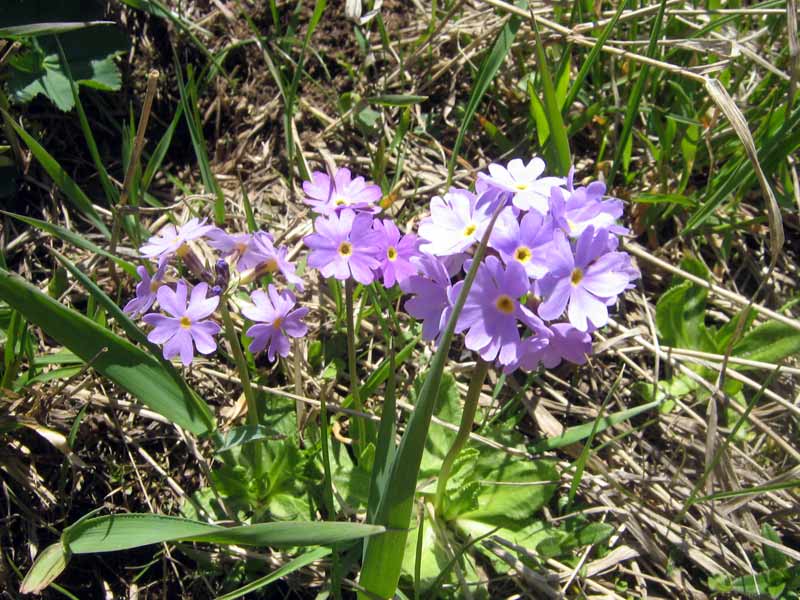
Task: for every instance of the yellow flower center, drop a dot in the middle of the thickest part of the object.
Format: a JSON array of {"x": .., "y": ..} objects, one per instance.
[
  {"x": 341, "y": 201},
  {"x": 571, "y": 226},
  {"x": 521, "y": 186},
  {"x": 505, "y": 304},
  {"x": 522, "y": 254},
  {"x": 576, "y": 277},
  {"x": 391, "y": 253},
  {"x": 241, "y": 247},
  {"x": 270, "y": 266},
  {"x": 345, "y": 249},
  {"x": 182, "y": 250},
  {"x": 186, "y": 322},
  {"x": 470, "y": 229},
  {"x": 277, "y": 323}
]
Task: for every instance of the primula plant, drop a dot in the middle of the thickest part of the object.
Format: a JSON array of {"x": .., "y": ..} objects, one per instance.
[{"x": 525, "y": 266}]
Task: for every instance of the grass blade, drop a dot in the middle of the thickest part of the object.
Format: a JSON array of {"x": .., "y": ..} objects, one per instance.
[
  {"x": 632, "y": 108},
  {"x": 558, "y": 133},
  {"x": 290, "y": 567},
  {"x": 486, "y": 73},
  {"x": 133, "y": 369},
  {"x": 64, "y": 182},
  {"x": 75, "y": 239}
]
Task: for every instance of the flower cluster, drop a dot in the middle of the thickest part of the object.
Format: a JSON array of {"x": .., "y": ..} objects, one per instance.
[
  {"x": 552, "y": 253},
  {"x": 550, "y": 273},
  {"x": 551, "y": 269},
  {"x": 187, "y": 325}
]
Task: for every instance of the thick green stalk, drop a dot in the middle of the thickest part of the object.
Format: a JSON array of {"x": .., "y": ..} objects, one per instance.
[
  {"x": 361, "y": 431},
  {"x": 253, "y": 417},
  {"x": 383, "y": 554},
  {"x": 464, "y": 429}
]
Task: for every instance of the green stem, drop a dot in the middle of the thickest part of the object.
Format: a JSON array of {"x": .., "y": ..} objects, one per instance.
[
  {"x": 253, "y": 417},
  {"x": 464, "y": 429},
  {"x": 361, "y": 433}
]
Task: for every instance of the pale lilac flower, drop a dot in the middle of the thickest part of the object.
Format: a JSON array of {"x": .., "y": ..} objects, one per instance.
[
  {"x": 265, "y": 257},
  {"x": 344, "y": 245},
  {"x": 458, "y": 220},
  {"x": 564, "y": 342},
  {"x": 395, "y": 252},
  {"x": 493, "y": 311},
  {"x": 584, "y": 282},
  {"x": 276, "y": 320},
  {"x": 432, "y": 296},
  {"x": 171, "y": 240},
  {"x": 527, "y": 241},
  {"x": 328, "y": 196},
  {"x": 530, "y": 190},
  {"x": 186, "y": 327},
  {"x": 145, "y": 291},
  {"x": 237, "y": 245},
  {"x": 575, "y": 209}
]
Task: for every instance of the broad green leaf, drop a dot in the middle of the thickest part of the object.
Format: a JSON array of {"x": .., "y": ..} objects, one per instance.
[
  {"x": 771, "y": 342},
  {"x": 49, "y": 564},
  {"x": 681, "y": 310},
  {"x": 90, "y": 58},
  {"x": 75, "y": 239},
  {"x": 488, "y": 69},
  {"x": 138, "y": 372},
  {"x": 59, "y": 176},
  {"x": 121, "y": 532}
]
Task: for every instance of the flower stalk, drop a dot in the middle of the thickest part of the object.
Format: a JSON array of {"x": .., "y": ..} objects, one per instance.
[
  {"x": 464, "y": 429},
  {"x": 361, "y": 430}
]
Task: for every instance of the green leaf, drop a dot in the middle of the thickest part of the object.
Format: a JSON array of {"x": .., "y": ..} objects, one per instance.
[
  {"x": 49, "y": 564},
  {"x": 680, "y": 313},
  {"x": 138, "y": 372},
  {"x": 245, "y": 434},
  {"x": 771, "y": 342},
  {"x": 558, "y": 133},
  {"x": 290, "y": 567},
  {"x": 581, "y": 432},
  {"x": 75, "y": 239},
  {"x": 121, "y": 532},
  {"x": 90, "y": 57},
  {"x": 35, "y": 29},
  {"x": 488, "y": 69},
  {"x": 396, "y": 99}
]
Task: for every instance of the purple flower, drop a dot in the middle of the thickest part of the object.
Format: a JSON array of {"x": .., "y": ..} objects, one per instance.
[
  {"x": 395, "y": 252},
  {"x": 530, "y": 191},
  {"x": 432, "y": 296},
  {"x": 563, "y": 343},
  {"x": 576, "y": 209},
  {"x": 344, "y": 245},
  {"x": 185, "y": 328},
  {"x": 458, "y": 220},
  {"x": 267, "y": 258},
  {"x": 237, "y": 244},
  {"x": 587, "y": 280},
  {"x": 145, "y": 291},
  {"x": 526, "y": 242},
  {"x": 275, "y": 321},
  {"x": 492, "y": 311},
  {"x": 328, "y": 196},
  {"x": 171, "y": 240}
]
